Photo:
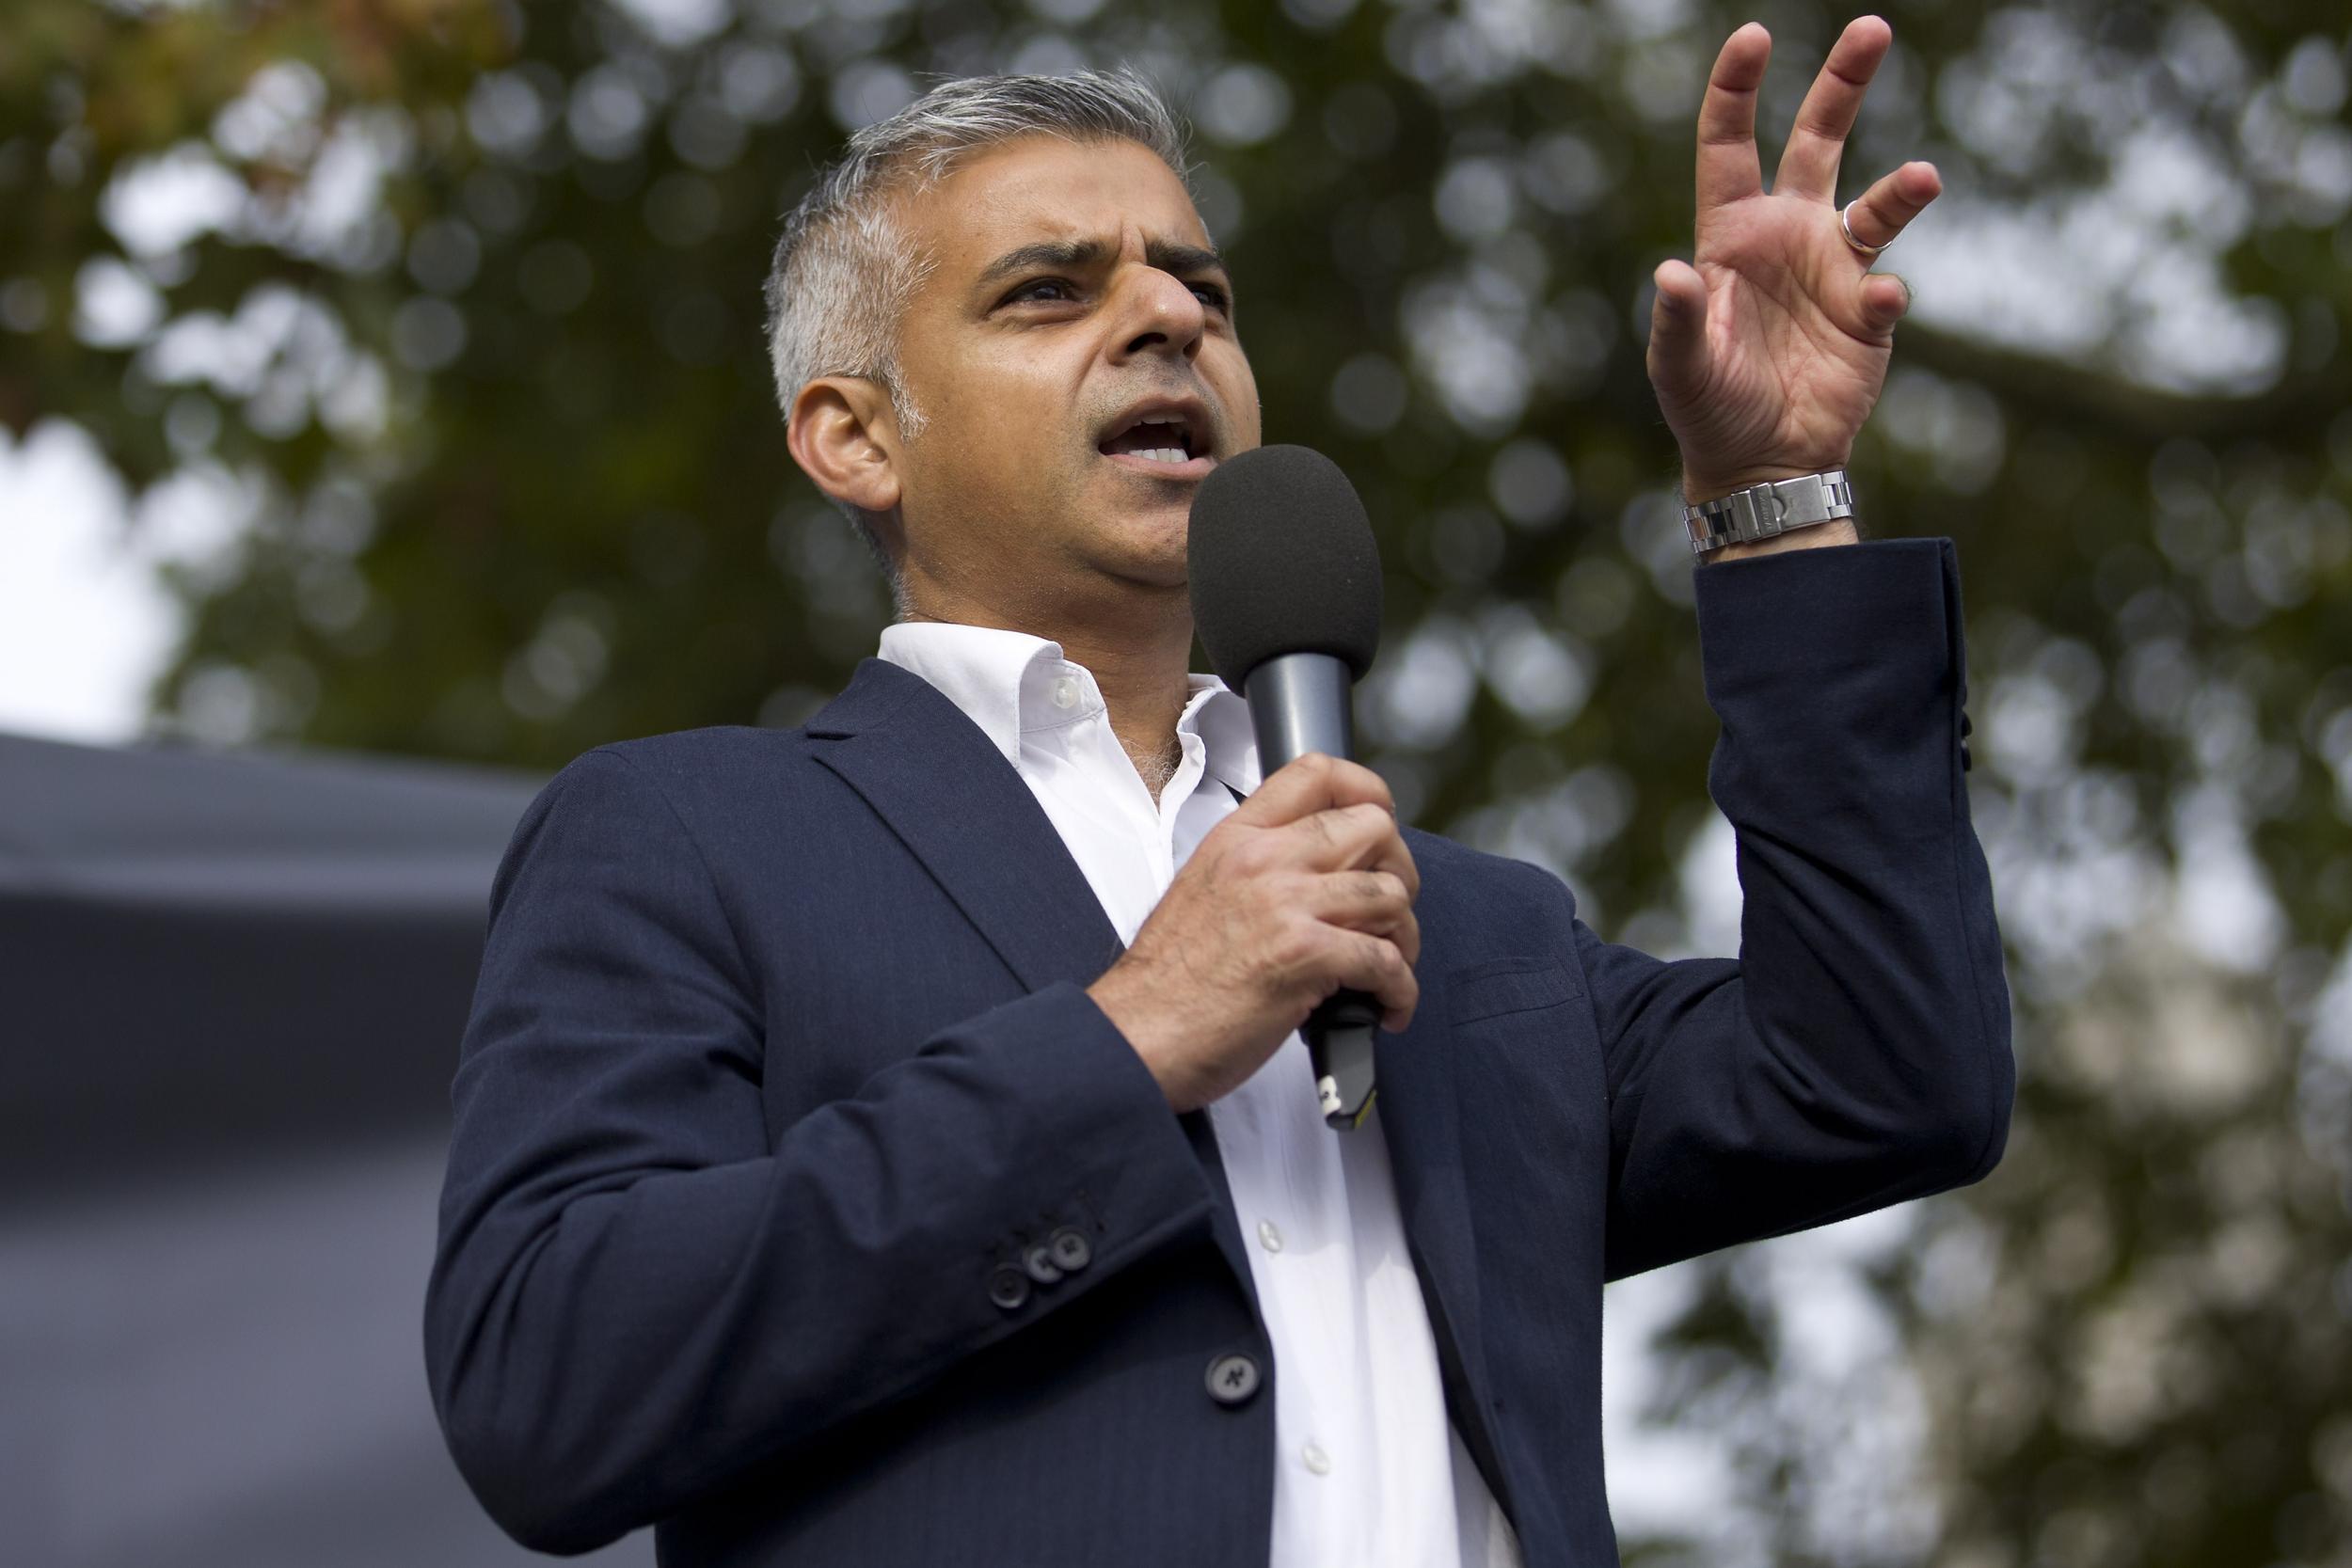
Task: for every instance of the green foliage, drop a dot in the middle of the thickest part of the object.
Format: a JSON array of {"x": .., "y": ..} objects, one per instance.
[{"x": 470, "y": 343}]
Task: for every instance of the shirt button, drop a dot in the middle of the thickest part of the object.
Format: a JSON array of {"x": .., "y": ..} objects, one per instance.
[
  {"x": 1065, "y": 693},
  {"x": 1269, "y": 1237},
  {"x": 1317, "y": 1461}
]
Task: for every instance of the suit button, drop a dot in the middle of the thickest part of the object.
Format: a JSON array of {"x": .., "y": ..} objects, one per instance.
[
  {"x": 1008, "y": 1288},
  {"x": 1232, "y": 1379},
  {"x": 1966, "y": 762},
  {"x": 1070, "y": 1249},
  {"x": 1039, "y": 1260}
]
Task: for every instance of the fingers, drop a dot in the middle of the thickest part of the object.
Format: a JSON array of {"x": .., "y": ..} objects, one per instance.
[
  {"x": 1678, "y": 331},
  {"x": 1335, "y": 821},
  {"x": 1808, "y": 165},
  {"x": 1881, "y": 214},
  {"x": 1886, "y": 300},
  {"x": 1315, "y": 953},
  {"x": 1877, "y": 217},
  {"x": 1330, "y": 815},
  {"x": 1350, "y": 838},
  {"x": 1376, "y": 965},
  {"x": 1728, "y": 169},
  {"x": 1312, "y": 784},
  {"x": 1377, "y": 903}
]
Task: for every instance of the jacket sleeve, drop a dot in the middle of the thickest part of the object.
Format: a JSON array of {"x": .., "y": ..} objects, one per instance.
[
  {"x": 1857, "y": 1054},
  {"x": 636, "y": 1297}
]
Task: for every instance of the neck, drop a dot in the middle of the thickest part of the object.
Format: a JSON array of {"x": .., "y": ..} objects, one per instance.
[{"x": 1138, "y": 650}]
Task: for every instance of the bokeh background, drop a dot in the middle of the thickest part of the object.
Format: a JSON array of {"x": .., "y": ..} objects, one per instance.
[{"x": 385, "y": 375}]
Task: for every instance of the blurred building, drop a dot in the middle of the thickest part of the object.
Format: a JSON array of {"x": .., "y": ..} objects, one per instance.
[{"x": 231, "y": 988}]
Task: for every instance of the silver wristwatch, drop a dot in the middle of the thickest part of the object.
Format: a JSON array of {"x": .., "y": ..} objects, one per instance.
[{"x": 1761, "y": 511}]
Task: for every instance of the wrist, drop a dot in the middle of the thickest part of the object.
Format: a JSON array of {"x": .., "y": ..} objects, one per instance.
[
  {"x": 1767, "y": 509},
  {"x": 1142, "y": 1026},
  {"x": 1841, "y": 532}
]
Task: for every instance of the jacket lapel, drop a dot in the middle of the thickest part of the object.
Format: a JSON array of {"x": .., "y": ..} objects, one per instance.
[
  {"x": 964, "y": 812},
  {"x": 956, "y": 802}
]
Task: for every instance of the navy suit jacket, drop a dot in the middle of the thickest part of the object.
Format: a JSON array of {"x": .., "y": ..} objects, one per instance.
[{"x": 781, "y": 1050}]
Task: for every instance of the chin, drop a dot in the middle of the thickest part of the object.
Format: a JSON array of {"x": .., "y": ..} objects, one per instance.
[{"x": 1147, "y": 550}]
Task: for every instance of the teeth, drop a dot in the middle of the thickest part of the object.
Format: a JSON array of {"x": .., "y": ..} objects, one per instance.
[{"x": 1170, "y": 432}]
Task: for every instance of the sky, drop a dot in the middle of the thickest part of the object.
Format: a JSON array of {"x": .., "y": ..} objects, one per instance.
[{"x": 84, "y": 624}]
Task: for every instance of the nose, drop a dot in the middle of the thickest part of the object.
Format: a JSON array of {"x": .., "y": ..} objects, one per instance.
[{"x": 1158, "y": 314}]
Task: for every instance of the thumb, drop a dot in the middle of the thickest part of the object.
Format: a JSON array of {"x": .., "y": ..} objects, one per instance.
[{"x": 1677, "y": 329}]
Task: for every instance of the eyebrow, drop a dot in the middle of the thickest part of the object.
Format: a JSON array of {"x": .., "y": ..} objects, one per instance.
[{"x": 1162, "y": 255}]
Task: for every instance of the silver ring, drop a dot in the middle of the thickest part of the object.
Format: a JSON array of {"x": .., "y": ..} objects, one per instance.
[{"x": 1844, "y": 227}]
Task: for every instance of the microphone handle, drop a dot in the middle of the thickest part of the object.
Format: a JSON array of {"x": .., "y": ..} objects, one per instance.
[
  {"x": 1300, "y": 702},
  {"x": 1338, "y": 1044}
]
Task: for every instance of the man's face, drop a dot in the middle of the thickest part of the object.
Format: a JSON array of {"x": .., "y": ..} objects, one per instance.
[{"x": 1074, "y": 356}]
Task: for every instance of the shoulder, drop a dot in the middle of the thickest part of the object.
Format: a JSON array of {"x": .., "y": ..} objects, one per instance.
[
  {"x": 668, "y": 801},
  {"x": 721, "y": 754},
  {"x": 698, "y": 776},
  {"x": 1495, "y": 887}
]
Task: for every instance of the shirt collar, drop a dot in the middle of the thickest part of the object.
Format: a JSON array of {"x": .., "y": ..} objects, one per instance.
[
  {"x": 1008, "y": 682},
  {"x": 1220, "y": 716}
]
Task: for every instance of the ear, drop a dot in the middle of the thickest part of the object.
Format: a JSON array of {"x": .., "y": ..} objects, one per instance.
[{"x": 844, "y": 436}]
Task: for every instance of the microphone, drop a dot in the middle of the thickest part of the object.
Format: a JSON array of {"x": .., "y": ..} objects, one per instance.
[{"x": 1286, "y": 597}]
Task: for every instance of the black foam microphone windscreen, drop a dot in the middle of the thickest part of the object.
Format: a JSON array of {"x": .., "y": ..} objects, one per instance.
[{"x": 1282, "y": 561}]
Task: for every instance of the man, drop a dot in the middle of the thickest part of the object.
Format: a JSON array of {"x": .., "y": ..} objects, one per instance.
[{"x": 887, "y": 1143}]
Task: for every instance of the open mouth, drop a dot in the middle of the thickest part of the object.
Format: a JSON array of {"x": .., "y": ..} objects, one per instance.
[{"x": 1167, "y": 442}]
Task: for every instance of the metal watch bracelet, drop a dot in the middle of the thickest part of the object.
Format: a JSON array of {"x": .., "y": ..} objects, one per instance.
[{"x": 1761, "y": 511}]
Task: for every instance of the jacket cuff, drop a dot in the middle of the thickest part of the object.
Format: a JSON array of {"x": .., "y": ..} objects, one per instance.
[
  {"x": 1105, "y": 1154},
  {"x": 1837, "y": 672},
  {"x": 1806, "y": 615}
]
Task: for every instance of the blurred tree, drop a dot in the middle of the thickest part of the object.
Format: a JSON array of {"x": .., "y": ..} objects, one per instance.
[{"x": 429, "y": 330}]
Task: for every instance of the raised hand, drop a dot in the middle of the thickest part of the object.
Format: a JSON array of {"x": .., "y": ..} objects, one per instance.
[{"x": 1770, "y": 351}]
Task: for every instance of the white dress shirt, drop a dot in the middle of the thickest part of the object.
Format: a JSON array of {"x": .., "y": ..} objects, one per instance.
[{"x": 1369, "y": 1471}]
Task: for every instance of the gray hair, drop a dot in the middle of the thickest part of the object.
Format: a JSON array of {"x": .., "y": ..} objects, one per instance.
[{"x": 844, "y": 272}]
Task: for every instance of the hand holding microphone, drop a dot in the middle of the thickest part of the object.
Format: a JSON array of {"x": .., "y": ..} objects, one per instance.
[
  {"x": 1305, "y": 890},
  {"x": 1295, "y": 912}
]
